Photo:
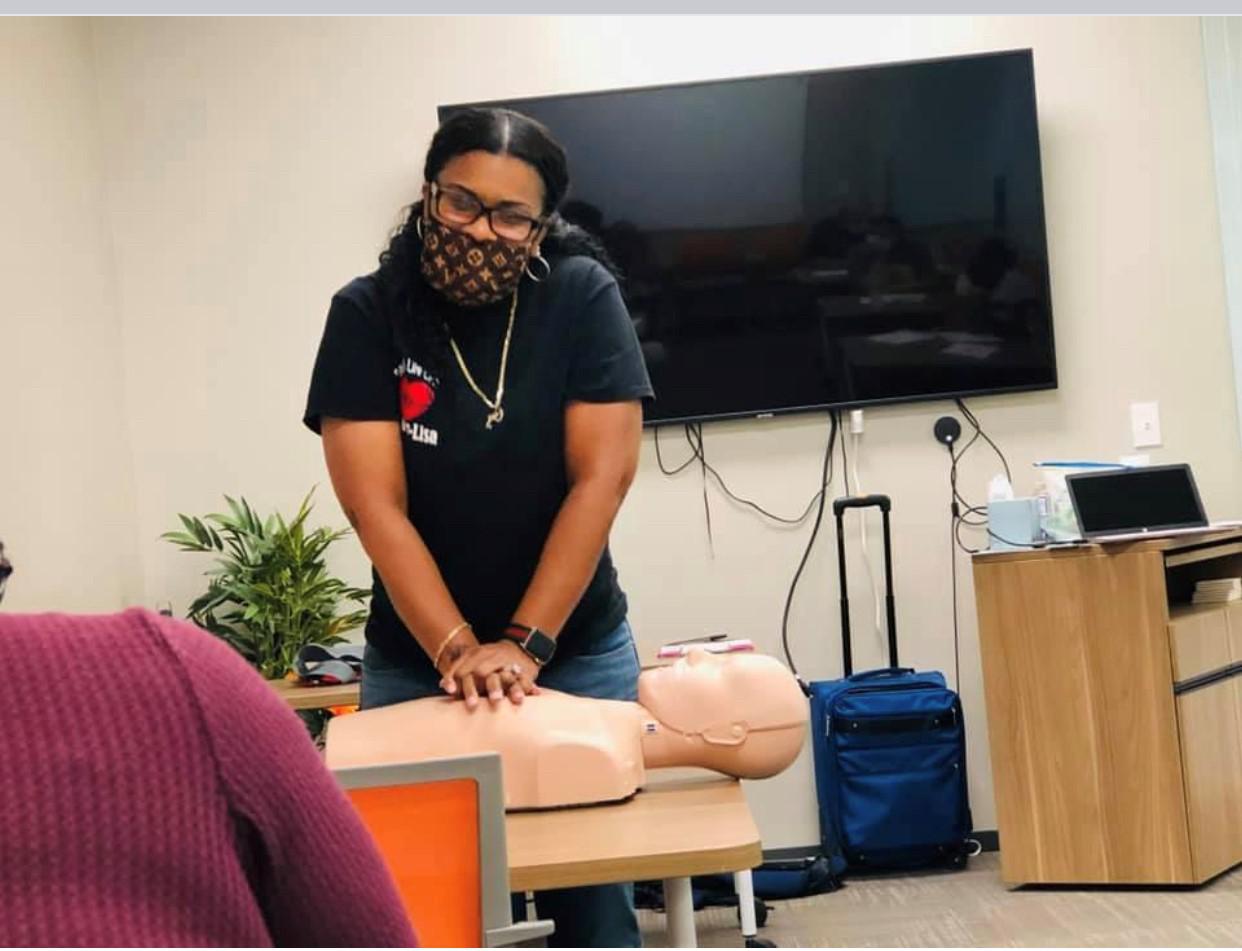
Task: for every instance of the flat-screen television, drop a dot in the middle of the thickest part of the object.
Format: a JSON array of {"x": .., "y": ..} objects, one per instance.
[{"x": 821, "y": 239}]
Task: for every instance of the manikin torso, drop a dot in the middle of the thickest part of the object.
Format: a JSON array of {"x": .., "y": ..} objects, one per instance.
[{"x": 740, "y": 714}]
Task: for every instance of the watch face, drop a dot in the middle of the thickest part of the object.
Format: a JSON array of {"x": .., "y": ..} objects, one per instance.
[
  {"x": 540, "y": 646},
  {"x": 533, "y": 641}
]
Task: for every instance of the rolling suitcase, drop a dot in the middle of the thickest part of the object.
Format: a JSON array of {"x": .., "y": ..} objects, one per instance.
[{"x": 890, "y": 751}]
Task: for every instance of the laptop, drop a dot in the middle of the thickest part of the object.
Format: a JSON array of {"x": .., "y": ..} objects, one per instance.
[{"x": 1118, "y": 505}]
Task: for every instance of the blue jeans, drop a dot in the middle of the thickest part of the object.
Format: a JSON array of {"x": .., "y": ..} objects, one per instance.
[{"x": 597, "y": 916}]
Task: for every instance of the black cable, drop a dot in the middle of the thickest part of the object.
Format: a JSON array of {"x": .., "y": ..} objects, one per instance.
[
  {"x": 963, "y": 509},
  {"x": 957, "y": 506},
  {"x": 973, "y": 439},
  {"x": 956, "y": 521},
  {"x": 991, "y": 534},
  {"x": 957, "y": 663},
  {"x": 825, "y": 479},
  {"x": 694, "y": 439},
  {"x": 845, "y": 465},
  {"x": 707, "y": 506},
  {"x": 973, "y": 420},
  {"x": 957, "y": 535},
  {"x": 1010, "y": 542},
  {"x": 660, "y": 459},
  {"x": 697, "y": 452},
  {"x": 957, "y": 496}
]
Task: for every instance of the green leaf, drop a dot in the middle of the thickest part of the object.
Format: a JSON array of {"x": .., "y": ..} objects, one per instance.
[{"x": 269, "y": 592}]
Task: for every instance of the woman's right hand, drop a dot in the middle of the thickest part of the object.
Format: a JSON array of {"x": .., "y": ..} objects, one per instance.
[{"x": 497, "y": 670}]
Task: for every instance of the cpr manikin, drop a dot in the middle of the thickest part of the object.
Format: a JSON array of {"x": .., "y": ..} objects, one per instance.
[{"x": 740, "y": 714}]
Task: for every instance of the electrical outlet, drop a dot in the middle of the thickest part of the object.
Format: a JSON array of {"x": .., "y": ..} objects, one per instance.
[
  {"x": 1145, "y": 424},
  {"x": 856, "y": 421}
]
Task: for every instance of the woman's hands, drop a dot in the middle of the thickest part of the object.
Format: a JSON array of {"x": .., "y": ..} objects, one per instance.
[{"x": 499, "y": 670}]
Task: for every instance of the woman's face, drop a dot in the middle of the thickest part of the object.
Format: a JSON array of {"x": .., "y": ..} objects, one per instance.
[{"x": 507, "y": 185}]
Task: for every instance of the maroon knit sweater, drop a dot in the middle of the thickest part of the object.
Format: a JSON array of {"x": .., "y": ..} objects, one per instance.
[{"x": 155, "y": 791}]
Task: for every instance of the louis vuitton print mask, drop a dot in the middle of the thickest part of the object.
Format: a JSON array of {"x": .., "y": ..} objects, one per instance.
[{"x": 467, "y": 271}]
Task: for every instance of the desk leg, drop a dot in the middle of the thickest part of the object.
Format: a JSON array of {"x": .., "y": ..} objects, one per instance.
[
  {"x": 744, "y": 885},
  {"x": 679, "y": 913}
]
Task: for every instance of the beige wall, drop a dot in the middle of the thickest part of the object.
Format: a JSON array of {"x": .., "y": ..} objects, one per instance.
[
  {"x": 66, "y": 513},
  {"x": 255, "y": 165}
]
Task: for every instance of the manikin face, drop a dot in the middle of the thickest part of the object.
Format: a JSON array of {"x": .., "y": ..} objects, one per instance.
[{"x": 724, "y": 697}]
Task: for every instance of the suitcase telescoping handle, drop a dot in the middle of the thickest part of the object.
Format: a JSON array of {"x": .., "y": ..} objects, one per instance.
[{"x": 884, "y": 504}]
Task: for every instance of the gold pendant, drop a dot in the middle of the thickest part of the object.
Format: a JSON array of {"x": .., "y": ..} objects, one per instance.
[{"x": 495, "y": 416}]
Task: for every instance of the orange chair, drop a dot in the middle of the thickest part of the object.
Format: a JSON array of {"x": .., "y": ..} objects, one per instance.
[{"x": 440, "y": 826}]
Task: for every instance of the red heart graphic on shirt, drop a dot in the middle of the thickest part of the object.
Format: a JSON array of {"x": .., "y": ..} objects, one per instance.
[{"x": 416, "y": 398}]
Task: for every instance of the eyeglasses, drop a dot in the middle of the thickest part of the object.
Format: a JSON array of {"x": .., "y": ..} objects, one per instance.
[
  {"x": 6, "y": 569},
  {"x": 459, "y": 208}
]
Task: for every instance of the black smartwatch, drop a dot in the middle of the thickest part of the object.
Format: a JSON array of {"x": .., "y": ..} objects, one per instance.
[{"x": 536, "y": 644}]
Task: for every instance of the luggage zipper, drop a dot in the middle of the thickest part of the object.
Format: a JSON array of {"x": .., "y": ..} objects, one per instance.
[{"x": 890, "y": 689}]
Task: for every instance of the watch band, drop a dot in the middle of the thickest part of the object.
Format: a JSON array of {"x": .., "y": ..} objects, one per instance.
[{"x": 537, "y": 645}]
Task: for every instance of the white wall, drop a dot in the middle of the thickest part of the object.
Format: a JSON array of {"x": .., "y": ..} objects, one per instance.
[
  {"x": 256, "y": 165},
  {"x": 1222, "y": 48},
  {"x": 66, "y": 513}
]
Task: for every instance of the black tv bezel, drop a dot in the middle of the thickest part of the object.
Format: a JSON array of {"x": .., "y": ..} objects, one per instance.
[{"x": 443, "y": 111}]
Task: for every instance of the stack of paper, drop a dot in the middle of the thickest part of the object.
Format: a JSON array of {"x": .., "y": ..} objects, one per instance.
[{"x": 1217, "y": 590}]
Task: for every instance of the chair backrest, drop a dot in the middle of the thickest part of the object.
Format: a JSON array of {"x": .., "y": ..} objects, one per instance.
[{"x": 440, "y": 826}]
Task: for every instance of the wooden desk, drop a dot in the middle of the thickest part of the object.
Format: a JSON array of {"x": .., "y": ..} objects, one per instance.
[
  {"x": 669, "y": 831},
  {"x": 1114, "y": 710},
  {"x": 316, "y": 698}
]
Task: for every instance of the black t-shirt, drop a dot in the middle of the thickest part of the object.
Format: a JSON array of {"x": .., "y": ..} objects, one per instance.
[{"x": 484, "y": 500}]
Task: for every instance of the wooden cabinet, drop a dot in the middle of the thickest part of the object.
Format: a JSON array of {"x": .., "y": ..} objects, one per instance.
[
  {"x": 1114, "y": 711},
  {"x": 1208, "y": 719},
  {"x": 1198, "y": 639}
]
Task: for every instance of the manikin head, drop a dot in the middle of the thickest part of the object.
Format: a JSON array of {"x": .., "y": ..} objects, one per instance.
[{"x": 739, "y": 713}]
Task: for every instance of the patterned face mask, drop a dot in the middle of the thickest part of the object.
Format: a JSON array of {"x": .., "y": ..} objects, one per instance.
[{"x": 470, "y": 272}]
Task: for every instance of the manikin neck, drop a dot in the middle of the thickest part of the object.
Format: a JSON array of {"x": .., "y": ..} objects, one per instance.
[{"x": 665, "y": 746}]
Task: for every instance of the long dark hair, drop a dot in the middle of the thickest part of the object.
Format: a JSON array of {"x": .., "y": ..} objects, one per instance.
[
  {"x": 6, "y": 569},
  {"x": 417, "y": 311}
]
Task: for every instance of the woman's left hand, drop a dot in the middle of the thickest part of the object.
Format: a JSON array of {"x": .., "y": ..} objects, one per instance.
[{"x": 500, "y": 668}]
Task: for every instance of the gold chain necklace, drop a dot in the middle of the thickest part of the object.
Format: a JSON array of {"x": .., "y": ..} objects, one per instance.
[{"x": 497, "y": 413}]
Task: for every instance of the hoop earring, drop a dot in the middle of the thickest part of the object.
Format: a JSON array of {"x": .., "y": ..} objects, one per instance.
[
  {"x": 418, "y": 226},
  {"x": 547, "y": 272}
]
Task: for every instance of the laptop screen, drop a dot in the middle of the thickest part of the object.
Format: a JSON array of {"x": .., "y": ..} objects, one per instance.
[{"x": 1130, "y": 500}]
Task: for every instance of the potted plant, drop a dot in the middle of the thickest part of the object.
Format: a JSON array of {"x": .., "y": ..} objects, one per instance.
[{"x": 269, "y": 593}]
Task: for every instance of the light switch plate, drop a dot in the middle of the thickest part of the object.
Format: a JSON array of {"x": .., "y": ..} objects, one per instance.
[{"x": 1145, "y": 423}]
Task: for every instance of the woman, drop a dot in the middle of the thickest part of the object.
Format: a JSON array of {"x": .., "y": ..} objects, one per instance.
[{"x": 479, "y": 402}]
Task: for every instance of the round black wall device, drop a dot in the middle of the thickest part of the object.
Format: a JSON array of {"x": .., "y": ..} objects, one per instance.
[{"x": 947, "y": 430}]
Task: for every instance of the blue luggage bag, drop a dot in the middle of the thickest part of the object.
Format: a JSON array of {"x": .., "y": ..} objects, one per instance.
[{"x": 890, "y": 751}]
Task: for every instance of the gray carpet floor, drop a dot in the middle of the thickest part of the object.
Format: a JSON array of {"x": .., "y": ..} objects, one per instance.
[{"x": 975, "y": 909}]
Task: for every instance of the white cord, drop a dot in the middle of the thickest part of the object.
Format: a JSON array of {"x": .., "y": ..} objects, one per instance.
[{"x": 862, "y": 535}]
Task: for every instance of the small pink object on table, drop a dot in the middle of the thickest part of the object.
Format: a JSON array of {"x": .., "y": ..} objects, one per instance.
[{"x": 712, "y": 647}]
